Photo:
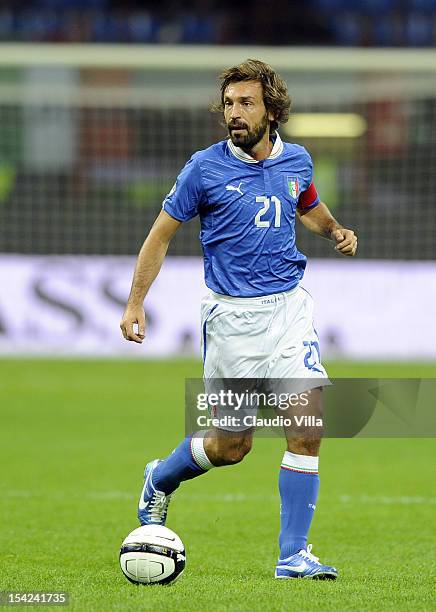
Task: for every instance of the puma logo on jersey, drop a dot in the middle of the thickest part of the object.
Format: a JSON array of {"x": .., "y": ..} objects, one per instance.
[{"x": 233, "y": 188}]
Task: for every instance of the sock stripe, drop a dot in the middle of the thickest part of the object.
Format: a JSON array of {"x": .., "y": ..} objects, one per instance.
[
  {"x": 300, "y": 463},
  {"x": 199, "y": 454},
  {"x": 297, "y": 469}
]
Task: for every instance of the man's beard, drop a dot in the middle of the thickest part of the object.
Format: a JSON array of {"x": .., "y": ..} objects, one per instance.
[{"x": 249, "y": 138}]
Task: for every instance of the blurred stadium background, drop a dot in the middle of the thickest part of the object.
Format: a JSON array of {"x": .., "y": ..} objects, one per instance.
[{"x": 93, "y": 136}]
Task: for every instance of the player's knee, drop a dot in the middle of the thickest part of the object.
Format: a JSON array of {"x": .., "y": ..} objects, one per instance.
[
  {"x": 227, "y": 450},
  {"x": 235, "y": 451}
]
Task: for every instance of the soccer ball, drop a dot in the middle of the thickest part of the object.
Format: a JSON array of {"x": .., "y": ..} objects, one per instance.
[{"x": 152, "y": 554}]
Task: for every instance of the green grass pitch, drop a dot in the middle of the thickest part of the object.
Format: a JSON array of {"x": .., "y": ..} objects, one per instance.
[{"x": 75, "y": 436}]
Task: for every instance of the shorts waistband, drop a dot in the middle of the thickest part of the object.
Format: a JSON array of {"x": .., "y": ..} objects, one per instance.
[{"x": 262, "y": 300}]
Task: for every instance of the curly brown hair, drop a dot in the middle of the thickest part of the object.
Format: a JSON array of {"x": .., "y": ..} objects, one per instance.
[{"x": 275, "y": 91}]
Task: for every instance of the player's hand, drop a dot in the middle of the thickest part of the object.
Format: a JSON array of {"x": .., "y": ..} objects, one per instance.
[
  {"x": 133, "y": 315},
  {"x": 346, "y": 241}
]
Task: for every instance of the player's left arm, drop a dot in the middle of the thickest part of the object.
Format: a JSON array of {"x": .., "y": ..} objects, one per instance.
[{"x": 320, "y": 221}]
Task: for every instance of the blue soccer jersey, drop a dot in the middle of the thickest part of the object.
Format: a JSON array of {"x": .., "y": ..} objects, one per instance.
[{"x": 247, "y": 211}]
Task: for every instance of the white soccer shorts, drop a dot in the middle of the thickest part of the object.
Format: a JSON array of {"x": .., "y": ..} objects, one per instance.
[{"x": 268, "y": 337}]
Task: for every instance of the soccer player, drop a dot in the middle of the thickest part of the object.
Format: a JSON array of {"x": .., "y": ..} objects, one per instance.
[{"x": 257, "y": 320}]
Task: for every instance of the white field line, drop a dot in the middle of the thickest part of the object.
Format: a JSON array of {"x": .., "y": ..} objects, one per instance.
[{"x": 399, "y": 500}]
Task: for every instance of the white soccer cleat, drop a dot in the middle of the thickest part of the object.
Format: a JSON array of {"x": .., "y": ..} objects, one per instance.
[
  {"x": 304, "y": 565},
  {"x": 153, "y": 504}
]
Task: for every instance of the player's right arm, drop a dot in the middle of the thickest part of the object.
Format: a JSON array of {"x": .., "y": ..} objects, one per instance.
[
  {"x": 147, "y": 267},
  {"x": 181, "y": 204}
]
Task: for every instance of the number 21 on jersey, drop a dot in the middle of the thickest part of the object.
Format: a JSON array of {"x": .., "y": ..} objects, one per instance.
[{"x": 262, "y": 212}]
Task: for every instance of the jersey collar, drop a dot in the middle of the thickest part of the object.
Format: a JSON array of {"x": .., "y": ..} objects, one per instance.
[{"x": 240, "y": 154}]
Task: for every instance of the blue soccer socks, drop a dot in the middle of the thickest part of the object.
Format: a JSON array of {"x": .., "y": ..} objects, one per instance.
[
  {"x": 298, "y": 485},
  {"x": 187, "y": 461}
]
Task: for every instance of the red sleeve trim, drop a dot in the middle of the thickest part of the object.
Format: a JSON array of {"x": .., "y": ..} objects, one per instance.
[{"x": 308, "y": 198}]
